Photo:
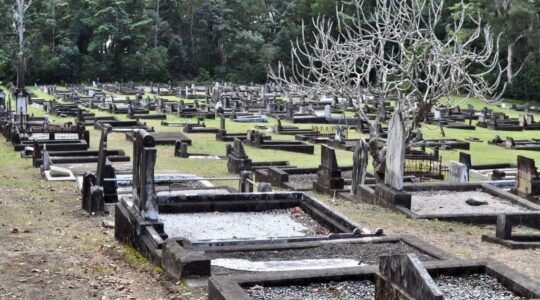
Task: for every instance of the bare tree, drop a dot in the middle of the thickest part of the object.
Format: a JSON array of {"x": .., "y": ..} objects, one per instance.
[{"x": 394, "y": 50}]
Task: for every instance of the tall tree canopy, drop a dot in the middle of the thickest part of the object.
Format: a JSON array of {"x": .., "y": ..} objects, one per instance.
[{"x": 234, "y": 40}]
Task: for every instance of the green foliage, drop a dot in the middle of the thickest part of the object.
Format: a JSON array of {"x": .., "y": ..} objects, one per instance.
[{"x": 236, "y": 40}]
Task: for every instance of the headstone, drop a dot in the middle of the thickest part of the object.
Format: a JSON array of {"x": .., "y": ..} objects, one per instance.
[
  {"x": 339, "y": 136},
  {"x": 395, "y": 154},
  {"x": 360, "y": 165},
  {"x": 237, "y": 158},
  {"x": 437, "y": 116},
  {"x": 527, "y": 179},
  {"x": 144, "y": 159},
  {"x": 327, "y": 112},
  {"x": 408, "y": 274},
  {"x": 457, "y": 172},
  {"x": 329, "y": 174}
]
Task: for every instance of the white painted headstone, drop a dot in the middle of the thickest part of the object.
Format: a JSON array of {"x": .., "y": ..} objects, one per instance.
[
  {"x": 327, "y": 112},
  {"x": 395, "y": 153},
  {"x": 437, "y": 115},
  {"x": 457, "y": 172}
]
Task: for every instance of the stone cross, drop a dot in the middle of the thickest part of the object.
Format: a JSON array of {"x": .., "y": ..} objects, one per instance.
[{"x": 395, "y": 154}]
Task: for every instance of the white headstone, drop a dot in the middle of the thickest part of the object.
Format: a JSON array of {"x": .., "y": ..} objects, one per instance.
[
  {"x": 437, "y": 115},
  {"x": 20, "y": 106},
  {"x": 395, "y": 153},
  {"x": 457, "y": 172},
  {"x": 327, "y": 112},
  {"x": 94, "y": 84}
]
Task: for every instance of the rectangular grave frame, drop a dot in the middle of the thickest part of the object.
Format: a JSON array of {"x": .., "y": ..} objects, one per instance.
[
  {"x": 232, "y": 287},
  {"x": 151, "y": 239},
  {"x": 503, "y": 235},
  {"x": 400, "y": 201}
]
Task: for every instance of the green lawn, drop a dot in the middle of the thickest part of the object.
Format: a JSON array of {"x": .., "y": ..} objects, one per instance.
[{"x": 206, "y": 143}]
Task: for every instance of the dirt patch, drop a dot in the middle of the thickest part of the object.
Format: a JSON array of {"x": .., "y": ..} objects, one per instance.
[{"x": 49, "y": 249}]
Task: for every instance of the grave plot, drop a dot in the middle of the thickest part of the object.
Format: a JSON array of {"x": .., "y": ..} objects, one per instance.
[
  {"x": 452, "y": 118},
  {"x": 521, "y": 107},
  {"x": 498, "y": 121},
  {"x": 257, "y": 139},
  {"x": 161, "y": 225},
  {"x": 521, "y": 240},
  {"x": 64, "y": 110},
  {"x": 163, "y": 138},
  {"x": 74, "y": 156},
  {"x": 222, "y": 135},
  {"x": 84, "y": 120},
  {"x": 527, "y": 122},
  {"x": 240, "y": 220},
  {"x": 297, "y": 179},
  {"x": 119, "y": 126},
  {"x": 280, "y": 129},
  {"x": 444, "y": 144},
  {"x": 468, "y": 202},
  {"x": 181, "y": 150},
  {"x": 238, "y": 160},
  {"x": 238, "y": 258},
  {"x": 199, "y": 128},
  {"x": 108, "y": 183},
  {"x": 499, "y": 172},
  {"x": 251, "y": 118},
  {"x": 51, "y": 140},
  {"x": 147, "y": 116},
  {"x": 397, "y": 277},
  {"x": 510, "y": 143}
]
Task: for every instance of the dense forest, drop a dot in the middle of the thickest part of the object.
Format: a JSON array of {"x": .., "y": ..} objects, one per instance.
[{"x": 203, "y": 40}]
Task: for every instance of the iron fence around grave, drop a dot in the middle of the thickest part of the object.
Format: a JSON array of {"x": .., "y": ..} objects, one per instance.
[
  {"x": 328, "y": 131},
  {"x": 425, "y": 167}
]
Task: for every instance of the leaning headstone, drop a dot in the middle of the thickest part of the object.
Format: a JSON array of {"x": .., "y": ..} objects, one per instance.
[
  {"x": 408, "y": 274},
  {"x": 395, "y": 154},
  {"x": 457, "y": 172}
]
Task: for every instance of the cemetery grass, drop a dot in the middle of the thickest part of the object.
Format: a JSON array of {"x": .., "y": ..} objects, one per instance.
[{"x": 51, "y": 249}]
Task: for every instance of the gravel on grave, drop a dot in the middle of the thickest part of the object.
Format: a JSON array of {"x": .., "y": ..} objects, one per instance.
[
  {"x": 364, "y": 253},
  {"x": 448, "y": 202},
  {"x": 342, "y": 290},
  {"x": 474, "y": 286},
  {"x": 277, "y": 223}
]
